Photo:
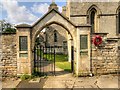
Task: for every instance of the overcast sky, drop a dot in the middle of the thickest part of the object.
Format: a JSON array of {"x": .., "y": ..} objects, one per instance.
[{"x": 25, "y": 11}]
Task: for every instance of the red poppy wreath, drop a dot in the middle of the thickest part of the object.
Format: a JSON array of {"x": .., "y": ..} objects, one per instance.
[{"x": 97, "y": 40}]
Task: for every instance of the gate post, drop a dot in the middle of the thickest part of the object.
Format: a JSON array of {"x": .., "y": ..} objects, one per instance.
[
  {"x": 83, "y": 50},
  {"x": 69, "y": 48},
  {"x": 24, "y": 52}
]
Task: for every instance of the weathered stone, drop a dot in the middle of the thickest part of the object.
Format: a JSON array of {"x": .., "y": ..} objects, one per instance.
[
  {"x": 9, "y": 58},
  {"x": 107, "y": 62}
]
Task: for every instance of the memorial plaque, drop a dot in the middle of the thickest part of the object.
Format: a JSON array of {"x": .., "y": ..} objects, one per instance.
[
  {"x": 23, "y": 43},
  {"x": 83, "y": 42}
]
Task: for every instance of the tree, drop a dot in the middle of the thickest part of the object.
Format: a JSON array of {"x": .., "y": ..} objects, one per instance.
[
  {"x": 10, "y": 30},
  {"x": 7, "y": 27}
]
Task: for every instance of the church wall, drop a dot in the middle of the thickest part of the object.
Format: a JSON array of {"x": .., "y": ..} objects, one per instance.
[
  {"x": 106, "y": 15},
  {"x": 61, "y": 37},
  {"x": 79, "y": 20},
  {"x": 107, "y": 24},
  {"x": 77, "y": 8}
]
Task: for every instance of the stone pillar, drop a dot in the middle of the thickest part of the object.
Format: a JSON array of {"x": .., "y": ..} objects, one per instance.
[
  {"x": 24, "y": 62},
  {"x": 77, "y": 44},
  {"x": 84, "y": 54},
  {"x": 82, "y": 62},
  {"x": 69, "y": 47}
]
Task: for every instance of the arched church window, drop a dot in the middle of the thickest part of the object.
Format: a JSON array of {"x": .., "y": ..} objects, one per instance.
[
  {"x": 93, "y": 20},
  {"x": 119, "y": 22},
  {"x": 55, "y": 36}
]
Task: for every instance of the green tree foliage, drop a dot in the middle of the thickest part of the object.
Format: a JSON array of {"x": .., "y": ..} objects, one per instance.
[
  {"x": 6, "y": 27},
  {"x": 10, "y": 30}
]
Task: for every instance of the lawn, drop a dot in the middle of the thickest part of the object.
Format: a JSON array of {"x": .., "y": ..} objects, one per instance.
[{"x": 61, "y": 60}]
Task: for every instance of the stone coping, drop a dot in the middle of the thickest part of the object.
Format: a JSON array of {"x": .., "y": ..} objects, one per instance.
[
  {"x": 99, "y": 33},
  {"x": 113, "y": 39},
  {"x": 83, "y": 25},
  {"x": 23, "y": 26}
]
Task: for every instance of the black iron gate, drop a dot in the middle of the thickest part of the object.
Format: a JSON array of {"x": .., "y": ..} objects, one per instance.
[{"x": 44, "y": 60}]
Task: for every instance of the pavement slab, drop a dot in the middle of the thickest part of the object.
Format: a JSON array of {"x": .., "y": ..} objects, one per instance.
[
  {"x": 67, "y": 81},
  {"x": 10, "y": 83}
]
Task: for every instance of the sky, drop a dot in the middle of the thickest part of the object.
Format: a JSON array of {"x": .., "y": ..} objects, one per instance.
[
  {"x": 28, "y": 11},
  {"x": 25, "y": 11}
]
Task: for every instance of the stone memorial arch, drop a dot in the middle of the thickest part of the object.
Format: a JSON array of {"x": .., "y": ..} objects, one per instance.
[
  {"x": 52, "y": 17},
  {"x": 27, "y": 34}
]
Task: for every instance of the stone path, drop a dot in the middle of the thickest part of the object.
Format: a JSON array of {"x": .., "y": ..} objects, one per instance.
[
  {"x": 10, "y": 83},
  {"x": 28, "y": 84},
  {"x": 65, "y": 79}
]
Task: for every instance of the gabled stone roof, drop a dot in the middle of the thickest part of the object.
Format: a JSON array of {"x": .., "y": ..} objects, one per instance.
[{"x": 49, "y": 13}]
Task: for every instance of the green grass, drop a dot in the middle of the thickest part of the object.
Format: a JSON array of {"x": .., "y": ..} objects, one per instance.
[
  {"x": 64, "y": 65},
  {"x": 61, "y": 60}
]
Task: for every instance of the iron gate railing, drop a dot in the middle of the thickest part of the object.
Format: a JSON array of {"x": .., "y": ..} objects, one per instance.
[{"x": 44, "y": 60}]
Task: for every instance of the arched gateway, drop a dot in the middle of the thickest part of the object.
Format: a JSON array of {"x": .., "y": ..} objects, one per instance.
[{"x": 27, "y": 34}]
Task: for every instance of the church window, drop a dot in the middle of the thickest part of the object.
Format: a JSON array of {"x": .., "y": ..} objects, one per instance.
[
  {"x": 93, "y": 20},
  {"x": 55, "y": 36},
  {"x": 119, "y": 22}
]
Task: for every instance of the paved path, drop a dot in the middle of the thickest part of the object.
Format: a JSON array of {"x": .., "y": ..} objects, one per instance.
[
  {"x": 28, "y": 84},
  {"x": 65, "y": 79},
  {"x": 10, "y": 83}
]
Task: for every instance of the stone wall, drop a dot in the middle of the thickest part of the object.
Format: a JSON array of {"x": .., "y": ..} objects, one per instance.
[
  {"x": 105, "y": 58},
  {"x": 9, "y": 54}
]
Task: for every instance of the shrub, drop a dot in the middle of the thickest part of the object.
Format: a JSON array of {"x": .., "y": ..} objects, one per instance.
[{"x": 25, "y": 77}]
